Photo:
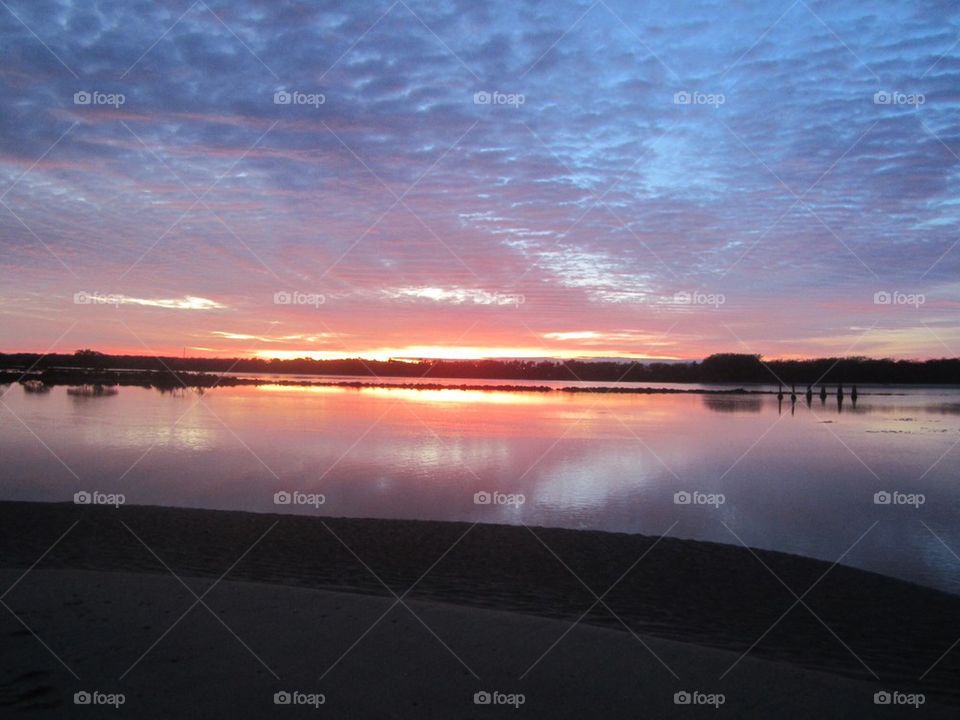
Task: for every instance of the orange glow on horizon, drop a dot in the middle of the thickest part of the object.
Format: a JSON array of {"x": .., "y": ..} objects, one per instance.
[{"x": 440, "y": 352}]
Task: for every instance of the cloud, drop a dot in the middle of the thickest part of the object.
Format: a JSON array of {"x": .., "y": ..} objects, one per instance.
[
  {"x": 411, "y": 207},
  {"x": 185, "y": 303},
  {"x": 298, "y": 338},
  {"x": 455, "y": 295}
]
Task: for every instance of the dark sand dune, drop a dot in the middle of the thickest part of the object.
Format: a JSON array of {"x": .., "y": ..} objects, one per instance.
[
  {"x": 133, "y": 633},
  {"x": 867, "y": 628}
]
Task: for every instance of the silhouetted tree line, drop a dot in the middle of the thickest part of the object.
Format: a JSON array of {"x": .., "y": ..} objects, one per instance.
[{"x": 724, "y": 367}]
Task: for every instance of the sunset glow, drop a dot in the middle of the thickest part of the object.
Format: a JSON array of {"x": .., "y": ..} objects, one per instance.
[
  {"x": 559, "y": 359},
  {"x": 406, "y": 181}
]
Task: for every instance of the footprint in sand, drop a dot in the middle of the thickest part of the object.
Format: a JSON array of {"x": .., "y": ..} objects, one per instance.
[{"x": 29, "y": 690}]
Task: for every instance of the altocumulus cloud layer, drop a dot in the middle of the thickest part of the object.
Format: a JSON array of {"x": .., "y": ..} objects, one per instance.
[{"x": 663, "y": 179}]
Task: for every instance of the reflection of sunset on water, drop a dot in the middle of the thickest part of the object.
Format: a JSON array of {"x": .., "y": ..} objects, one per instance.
[
  {"x": 582, "y": 460},
  {"x": 415, "y": 395}
]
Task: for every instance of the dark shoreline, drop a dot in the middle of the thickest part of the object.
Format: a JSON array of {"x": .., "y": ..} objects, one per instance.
[
  {"x": 165, "y": 380},
  {"x": 697, "y": 592},
  {"x": 733, "y": 368}
]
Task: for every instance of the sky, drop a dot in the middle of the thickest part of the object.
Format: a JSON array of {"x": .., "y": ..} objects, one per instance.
[{"x": 463, "y": 179}]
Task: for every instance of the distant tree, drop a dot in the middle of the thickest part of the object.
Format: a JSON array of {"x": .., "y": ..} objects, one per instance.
[
  {"x": 723, "y": 367},
  {"x": 734, "y": 367}
]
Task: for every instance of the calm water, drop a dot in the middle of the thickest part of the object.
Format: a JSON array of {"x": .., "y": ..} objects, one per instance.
[{"x": 800, "y": 482}]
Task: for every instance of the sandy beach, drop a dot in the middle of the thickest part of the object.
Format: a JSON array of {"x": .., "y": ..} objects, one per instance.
[{"x": 411, "y": 619}]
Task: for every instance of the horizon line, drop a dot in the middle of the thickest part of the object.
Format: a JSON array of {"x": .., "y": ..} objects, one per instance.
[{"x": 503, "y": 358}]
